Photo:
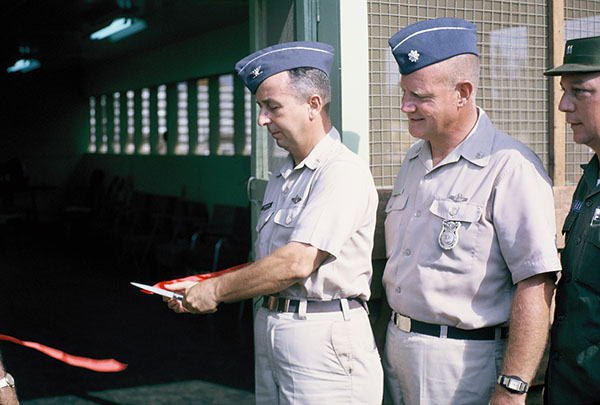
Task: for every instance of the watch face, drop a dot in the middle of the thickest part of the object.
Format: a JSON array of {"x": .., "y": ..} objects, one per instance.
[{"x": 514, "y": 384}]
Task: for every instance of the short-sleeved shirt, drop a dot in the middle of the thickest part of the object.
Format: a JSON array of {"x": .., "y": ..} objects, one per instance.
[
  {"x": 460, "y": 235},
  {"x": 328, "y": 201},
  {"x": 573, "y": 374}
]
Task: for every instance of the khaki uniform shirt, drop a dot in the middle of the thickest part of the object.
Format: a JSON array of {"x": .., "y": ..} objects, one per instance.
[
  {"x": 328, "y": 201},
  {"x": 573, "y": 375},
  {"x": 460, "y": 235}
]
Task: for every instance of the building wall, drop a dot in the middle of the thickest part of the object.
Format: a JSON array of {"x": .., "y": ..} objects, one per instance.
[{"x": 46, "y": 124}]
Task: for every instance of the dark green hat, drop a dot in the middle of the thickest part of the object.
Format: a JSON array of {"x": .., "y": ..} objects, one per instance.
[{"x": 581, "y": 56}]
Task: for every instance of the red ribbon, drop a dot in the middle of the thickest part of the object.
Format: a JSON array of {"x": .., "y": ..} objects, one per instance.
[
  {"x": 199, "y": 277},
  {"x": 107, "y": 365},
  {"x": 103, "y": 366}
]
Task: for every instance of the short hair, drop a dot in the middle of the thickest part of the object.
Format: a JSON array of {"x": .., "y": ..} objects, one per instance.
[
  {"x": 308, "y": 81},
  {"x": 463, "y": 67}
]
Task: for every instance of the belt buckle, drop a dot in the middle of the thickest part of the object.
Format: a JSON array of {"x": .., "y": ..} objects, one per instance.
[
  {"x": 273, "y": 304},
  {"x": 403, "y": 323}
]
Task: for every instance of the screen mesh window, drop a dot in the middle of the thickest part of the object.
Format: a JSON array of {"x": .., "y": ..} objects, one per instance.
[{"x": 513, "y": 46}]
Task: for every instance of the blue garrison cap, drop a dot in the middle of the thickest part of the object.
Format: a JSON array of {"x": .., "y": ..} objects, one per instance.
[
  {"x": 255, "y": 68},
  {"x": 428, "y": 42}
]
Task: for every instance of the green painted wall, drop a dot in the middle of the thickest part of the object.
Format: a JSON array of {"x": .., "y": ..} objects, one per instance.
[
  {"x": 212, "y": 179},
  {"x": 46, "y": 123}
]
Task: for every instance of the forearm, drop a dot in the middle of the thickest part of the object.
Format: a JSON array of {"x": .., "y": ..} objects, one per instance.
[
  {"x": 529, "y": 325},
  {"x": 8, "y": 395},
  {"x": 276, "y": 272},
  {"x": 273, "y": 273}
]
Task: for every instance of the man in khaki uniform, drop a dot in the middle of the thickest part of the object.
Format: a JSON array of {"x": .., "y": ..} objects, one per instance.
[
  {"x": 313, "y": 340},
  {"x": 470, "y": 236}
]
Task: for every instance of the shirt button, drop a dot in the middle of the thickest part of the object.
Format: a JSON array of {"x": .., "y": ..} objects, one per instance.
[
  {"x": 407, "y": 252},
  {"x": 588, "y": 203},
  {"x": 560, "y": 317},
  {"x": 398, "y": 290},
  {"x": 418, "y": 214},
  {"x": 555, "y": 356},
  {"x": 288, "y": 220},
  {"x": 578, "y": 240},
  {"x": 454, "y": 211}
]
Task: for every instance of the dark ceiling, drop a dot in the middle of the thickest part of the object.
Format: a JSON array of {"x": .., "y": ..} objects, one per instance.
[{"x": 57, "y": 31}]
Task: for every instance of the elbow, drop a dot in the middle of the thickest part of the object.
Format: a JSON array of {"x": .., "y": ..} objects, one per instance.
[
  {"x": 299, "y": 270},
  {"x": 300, "y": 260}
]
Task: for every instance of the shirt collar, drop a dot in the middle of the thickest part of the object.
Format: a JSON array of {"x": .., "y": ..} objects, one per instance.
[
  {"x": 477, "y": 147},
  {"x": 316, "y": 156},
  {"x": 590, "y": 173}
]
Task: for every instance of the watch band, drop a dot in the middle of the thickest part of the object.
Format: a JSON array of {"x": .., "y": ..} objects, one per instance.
[{"x": 513, "y": 383}]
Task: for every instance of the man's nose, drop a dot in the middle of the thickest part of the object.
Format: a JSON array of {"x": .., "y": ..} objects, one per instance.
[
  {"x": 407, "y": 105},
  {"x": 263, "y": 118},
  {"x": 566, "y": 105}
]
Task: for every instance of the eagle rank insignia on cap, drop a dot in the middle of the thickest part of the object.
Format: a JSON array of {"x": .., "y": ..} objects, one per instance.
[{"x": 256, "y": 72}]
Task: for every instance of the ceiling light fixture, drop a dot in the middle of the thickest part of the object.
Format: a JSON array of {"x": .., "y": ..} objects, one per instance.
[
  {"x": 120, "y": 28},
  {"x": 24, "y": 65}
]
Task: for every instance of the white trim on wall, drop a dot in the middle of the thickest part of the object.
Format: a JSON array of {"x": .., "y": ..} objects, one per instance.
[{"x": 354, "y": 51}]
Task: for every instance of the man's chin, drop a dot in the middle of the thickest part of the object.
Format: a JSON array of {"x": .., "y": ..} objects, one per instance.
[
  {"x": 416, "y": 134},
  {"x": 280, "y": 143}
]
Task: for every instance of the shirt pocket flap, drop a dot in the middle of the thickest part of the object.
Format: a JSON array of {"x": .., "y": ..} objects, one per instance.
[
  {"x": 569, "y": 221},
  {"x": 594, "y": 236},
  {"x": 456, "y": 211},
  {"x": 396, "y": 203},
  {"x": 287, "y": 217},
  {"x": 263, "y": 218}
]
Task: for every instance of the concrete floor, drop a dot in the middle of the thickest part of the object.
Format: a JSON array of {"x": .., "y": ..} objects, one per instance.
[{"x": 77, "y": 298}]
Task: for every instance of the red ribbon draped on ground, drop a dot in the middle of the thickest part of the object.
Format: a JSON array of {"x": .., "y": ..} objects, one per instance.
[
  {"x": 199, "y": 277},
  {"x": 107, "y": 365},
  {"x": 104, "y": 366}
]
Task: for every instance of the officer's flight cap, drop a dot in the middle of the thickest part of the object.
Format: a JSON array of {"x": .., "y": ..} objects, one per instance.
[
  {"x": 581, "y": 56},
  {"x": 255, "y": 68},
  {"x": 432, "y": 41}
]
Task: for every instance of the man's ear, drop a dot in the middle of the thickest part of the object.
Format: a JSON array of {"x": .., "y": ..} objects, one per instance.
[
  {"x": 315, "y": 105},
  {"x": 464, "y": 92}
]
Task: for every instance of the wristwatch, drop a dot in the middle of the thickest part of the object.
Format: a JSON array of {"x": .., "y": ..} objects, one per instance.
[
  {"x": 513, "y": 383},
  {"x": 7, "y": 381}
]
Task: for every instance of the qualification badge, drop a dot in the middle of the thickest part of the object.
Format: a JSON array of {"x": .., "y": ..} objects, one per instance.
[
  {"x": 449, "y": 235},
  {"x": 596, "y": 217}
]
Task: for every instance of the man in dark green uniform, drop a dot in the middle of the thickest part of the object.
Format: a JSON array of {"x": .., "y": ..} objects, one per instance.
[{"x": 573, "y": 375}]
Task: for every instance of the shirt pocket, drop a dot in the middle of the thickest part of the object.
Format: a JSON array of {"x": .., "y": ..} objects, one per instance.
[
  {"x": 456, "y": 211},
  {"x": 394, "y": 217},
  {"x": 587, "y": 271},
  {"x": 568, "y": 225},
  {"x": 263, "y": 219},
  {"x": 288, "y": 217},
  {"x": 465, "y": 213}
]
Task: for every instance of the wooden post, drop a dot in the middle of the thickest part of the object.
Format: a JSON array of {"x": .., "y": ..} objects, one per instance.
[{"x": 557, "y": 122}]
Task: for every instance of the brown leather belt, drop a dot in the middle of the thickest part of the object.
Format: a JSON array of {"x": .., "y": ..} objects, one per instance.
[{"x": 279, "y": 304}]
